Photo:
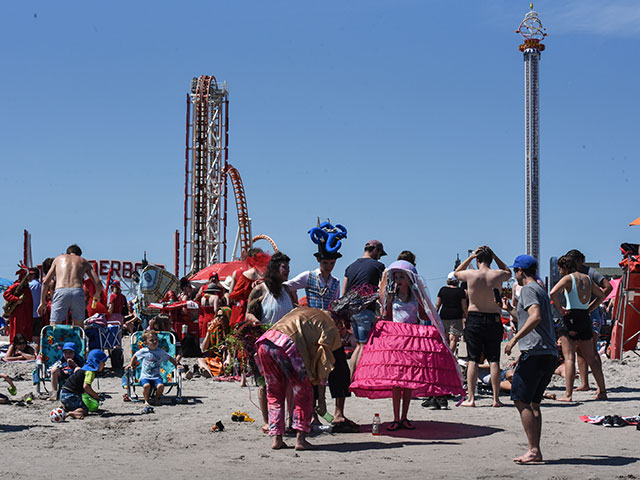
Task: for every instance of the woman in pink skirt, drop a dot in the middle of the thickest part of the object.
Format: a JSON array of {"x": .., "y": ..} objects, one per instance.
[{"x": 407, "y": 354}]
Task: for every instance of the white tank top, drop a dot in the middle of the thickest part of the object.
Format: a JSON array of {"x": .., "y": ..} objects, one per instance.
[{"x": 273, "y": 309}]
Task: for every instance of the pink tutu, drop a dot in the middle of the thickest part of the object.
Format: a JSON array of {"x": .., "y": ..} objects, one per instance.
[{"x": 408, "y": 356}]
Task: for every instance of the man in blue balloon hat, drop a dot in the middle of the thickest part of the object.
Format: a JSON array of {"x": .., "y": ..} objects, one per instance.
[
  {"x": 78, "y": 396},
  {"x": 322, "y": 288},
  {"x": 536, "y": 339}
]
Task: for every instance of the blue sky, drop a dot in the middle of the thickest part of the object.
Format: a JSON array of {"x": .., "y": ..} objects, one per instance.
[{"x": 401, "y": 120}]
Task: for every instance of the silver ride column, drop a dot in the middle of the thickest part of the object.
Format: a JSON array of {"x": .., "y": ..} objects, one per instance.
[{"x": 532, "y": 31}]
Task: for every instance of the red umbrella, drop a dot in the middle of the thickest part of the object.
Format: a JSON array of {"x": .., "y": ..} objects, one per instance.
[
  {"x": 635, "y": 222},
  {"x": 222, "y": 269}
]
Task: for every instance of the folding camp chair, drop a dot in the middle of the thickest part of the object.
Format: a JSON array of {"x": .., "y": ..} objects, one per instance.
[
  {"x": 170, "y": 375},
  {"x": 52, "y": 338}
]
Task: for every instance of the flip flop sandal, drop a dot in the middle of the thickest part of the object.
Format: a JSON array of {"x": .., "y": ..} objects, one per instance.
[
  {"x": 393, "y": 426},
  {"x": 351, "y": 423},
  {"x": 407, "y": 424},
  {"x": 344, "y": 427}
]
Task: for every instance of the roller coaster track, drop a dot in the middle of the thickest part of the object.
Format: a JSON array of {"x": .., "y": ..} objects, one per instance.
[
  {"x": 244, "y": 223},
  {"x": 206, "y": 173},
  {"x": 205, "y": 156}
]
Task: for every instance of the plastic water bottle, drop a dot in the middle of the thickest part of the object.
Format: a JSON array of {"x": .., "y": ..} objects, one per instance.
[{"x": 375, "y": 425}]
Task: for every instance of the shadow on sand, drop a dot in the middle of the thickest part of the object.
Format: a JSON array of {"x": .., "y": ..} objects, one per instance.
[
  {"x": 433, "y": 430},
  {"x": 19, "y": 428},
  {"x": 372, "y": 445},
  {"x": 595, "y": 460}
]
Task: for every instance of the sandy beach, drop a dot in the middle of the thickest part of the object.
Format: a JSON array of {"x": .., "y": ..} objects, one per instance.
[{"x": 177, "y": 440}]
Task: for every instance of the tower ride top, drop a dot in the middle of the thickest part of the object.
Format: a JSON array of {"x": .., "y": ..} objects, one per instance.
[{"x": 532, "y": 32}]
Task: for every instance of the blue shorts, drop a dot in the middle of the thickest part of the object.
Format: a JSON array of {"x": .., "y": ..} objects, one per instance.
[
  {"x": 72, "y": 401},
  {"x": 532, "y": 376},
  {"x": 596, "y": 321},
  {"x": 154, "y": 382},
  {"x": 361, "y": 324}
]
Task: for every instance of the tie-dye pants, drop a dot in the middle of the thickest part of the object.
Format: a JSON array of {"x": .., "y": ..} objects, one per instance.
[{"x": 282, "y": 366}]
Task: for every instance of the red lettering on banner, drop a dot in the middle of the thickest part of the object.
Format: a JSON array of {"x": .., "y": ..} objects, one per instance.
[
  {"x": 119, "y": 268},
  {"x": 104, "y": 268},
  {"x": 115, "y": 266},
  {"x": 127, "y": 269}
]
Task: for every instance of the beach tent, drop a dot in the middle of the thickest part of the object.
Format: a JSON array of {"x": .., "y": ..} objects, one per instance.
[
  {"x": 615, "y": 283},
  {"x": 223, "y": 270}
]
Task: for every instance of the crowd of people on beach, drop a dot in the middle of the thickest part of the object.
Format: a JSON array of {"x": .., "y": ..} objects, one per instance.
[{"x": 377, "y": 334}]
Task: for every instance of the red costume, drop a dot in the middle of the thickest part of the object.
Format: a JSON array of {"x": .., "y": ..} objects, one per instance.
[
  {"x": 240, "y": 294},
  {"x": 89, "y": 292},
  {"x": 21, "y": 319}
]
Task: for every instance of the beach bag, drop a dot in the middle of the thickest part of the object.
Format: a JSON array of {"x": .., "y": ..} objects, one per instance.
[
  {"x": 190, "y": 347},
  {"x": 117, "y": 359}
]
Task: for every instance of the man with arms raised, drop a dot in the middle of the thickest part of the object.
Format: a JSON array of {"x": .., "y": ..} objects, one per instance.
[
  {"x": 68, "y": 270},
  {"x": 483, "y": 330},
  {"x": 536, "y": 339}
]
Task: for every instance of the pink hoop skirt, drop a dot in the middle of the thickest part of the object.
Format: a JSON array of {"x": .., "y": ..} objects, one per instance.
[{"x": 408, "y": 356}]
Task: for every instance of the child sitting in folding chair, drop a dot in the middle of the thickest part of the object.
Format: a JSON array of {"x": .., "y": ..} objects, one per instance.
[
  {"x": 61, "y": 370},
  {"x": 78, "y": 397},
  {"x": 150, "y": 358}
]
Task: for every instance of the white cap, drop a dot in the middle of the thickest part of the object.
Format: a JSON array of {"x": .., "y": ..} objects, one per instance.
[{"x": 451, "y": 277}]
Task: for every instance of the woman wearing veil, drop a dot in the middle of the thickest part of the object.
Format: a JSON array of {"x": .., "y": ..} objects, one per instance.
[{"x": 407, "y": 354}]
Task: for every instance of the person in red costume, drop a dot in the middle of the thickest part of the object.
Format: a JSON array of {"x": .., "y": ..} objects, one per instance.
[
  {"x": 243, "y": 282},
  {"x": 117, "y": 303},
  {"x": 21, "y": 319},
  {"x": 210, "y": 297}
]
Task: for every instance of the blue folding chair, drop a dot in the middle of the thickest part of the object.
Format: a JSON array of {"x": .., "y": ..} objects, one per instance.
[{"x": 170, "y": 375}]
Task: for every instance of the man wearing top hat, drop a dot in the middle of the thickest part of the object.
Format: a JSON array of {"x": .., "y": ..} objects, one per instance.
[{"x": 321, "y": 289}]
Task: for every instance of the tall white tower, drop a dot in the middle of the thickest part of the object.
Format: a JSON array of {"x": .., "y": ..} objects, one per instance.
[{"x": 533, "y": 33}]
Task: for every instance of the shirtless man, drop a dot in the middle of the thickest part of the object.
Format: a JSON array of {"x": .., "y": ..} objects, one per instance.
[
  {"x": 68, "y": 270},
  {"x": 483, "y": 329}
]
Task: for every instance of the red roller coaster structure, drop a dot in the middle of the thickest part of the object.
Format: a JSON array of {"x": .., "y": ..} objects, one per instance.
[{"x": 207, "y": 168}]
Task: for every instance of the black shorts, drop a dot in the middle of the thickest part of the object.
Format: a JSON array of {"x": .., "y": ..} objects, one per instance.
[
  {"x": 576, "y": 325},
  {"x": 340, "y": 377},
  {"x": 532, "y": 376},
  {"x": 483, "y": 333}
]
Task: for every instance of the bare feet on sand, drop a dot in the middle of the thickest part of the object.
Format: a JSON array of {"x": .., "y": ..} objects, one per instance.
[
  {"x": 529, "y": 457},
  {"x": 600, "y": 396},
  {"x": 564, "y": 398},
  {"x": 498, "y": 404},
  {"x": 304, "y": 445},
  {"x": 278, "y": 443},
  {"x": 582, "y": 388},
  {"x": 468, "y": 403}
]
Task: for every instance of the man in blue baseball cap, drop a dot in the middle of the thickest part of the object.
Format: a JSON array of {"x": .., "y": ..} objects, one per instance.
[{"x": 538, "y": 353}]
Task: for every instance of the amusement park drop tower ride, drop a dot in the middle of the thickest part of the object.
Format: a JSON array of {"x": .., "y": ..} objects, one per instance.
[{"x": 533, "y": 33}]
